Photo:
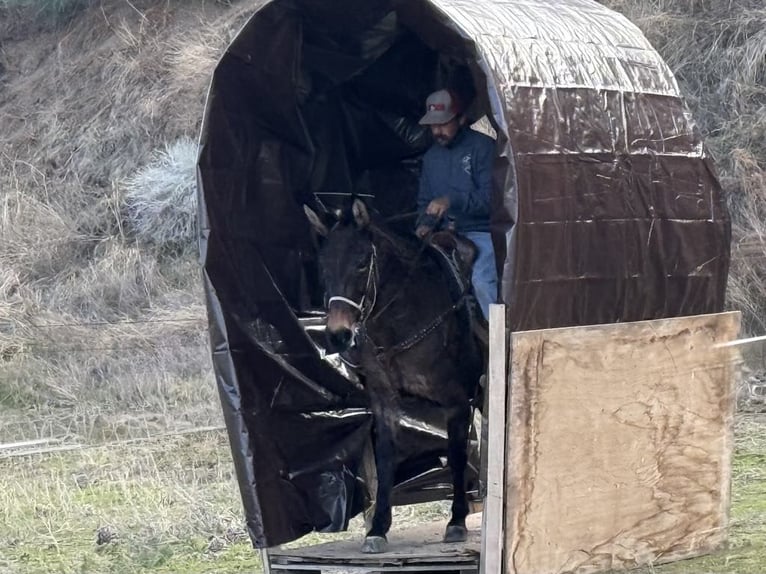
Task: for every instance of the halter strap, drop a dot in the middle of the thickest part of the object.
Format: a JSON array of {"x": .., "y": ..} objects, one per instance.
[
  {"x": 371, "y": 282},
  {"x": 354, "y": 304}
]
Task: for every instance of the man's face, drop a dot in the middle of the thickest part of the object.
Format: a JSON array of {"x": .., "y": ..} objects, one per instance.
[{"x": 445, "y": 133}]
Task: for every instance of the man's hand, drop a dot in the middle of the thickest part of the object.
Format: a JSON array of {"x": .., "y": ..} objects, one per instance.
[{"x": 438, "y": 207}]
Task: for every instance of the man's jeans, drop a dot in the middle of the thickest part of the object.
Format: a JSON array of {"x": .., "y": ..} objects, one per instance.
[{"x": 484, "y": 276}]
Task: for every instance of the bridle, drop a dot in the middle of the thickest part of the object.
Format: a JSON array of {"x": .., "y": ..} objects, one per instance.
[
  {"x": 370, "y": 296},
  {"x": 371, "y": 285}
]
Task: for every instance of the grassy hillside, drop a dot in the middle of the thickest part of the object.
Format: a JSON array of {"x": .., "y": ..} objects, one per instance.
[{"x": 101, "y": 312}]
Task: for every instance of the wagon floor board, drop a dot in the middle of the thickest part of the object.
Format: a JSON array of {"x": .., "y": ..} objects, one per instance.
[{"x": 419, "y": 545}]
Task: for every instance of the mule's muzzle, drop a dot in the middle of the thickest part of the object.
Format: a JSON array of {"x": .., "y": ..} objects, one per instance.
[
  {"x": 340, "y": 340},
  {"x": 341, "y": 328}
]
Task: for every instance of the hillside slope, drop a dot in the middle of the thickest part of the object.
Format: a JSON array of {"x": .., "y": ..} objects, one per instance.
[
  {"x": 92, "y": 97},
  {"x": 94, "y": 318}
]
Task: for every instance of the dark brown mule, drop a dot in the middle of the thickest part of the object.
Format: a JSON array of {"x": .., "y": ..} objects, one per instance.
[{"x": 389, "y": 304}]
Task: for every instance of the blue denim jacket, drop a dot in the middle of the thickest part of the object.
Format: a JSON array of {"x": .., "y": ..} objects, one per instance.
[{"x": 463, "y": 172}]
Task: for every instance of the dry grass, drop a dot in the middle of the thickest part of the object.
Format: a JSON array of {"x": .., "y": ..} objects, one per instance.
[
  {"x": 747, "y": 284},
  {"x": 48, "y": 11},
  {"x": 119, "y": 282},
  {"x": 95, "y": 374},
  {"x": 99, "y": 336},
  {"x": 36, "y": 240}
]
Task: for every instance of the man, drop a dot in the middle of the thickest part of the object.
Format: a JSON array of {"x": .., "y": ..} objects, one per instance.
[{"x": 456, "y": 184}]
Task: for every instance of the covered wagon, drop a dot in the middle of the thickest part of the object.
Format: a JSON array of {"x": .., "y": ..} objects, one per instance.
[{"x": 606, "y": 209}]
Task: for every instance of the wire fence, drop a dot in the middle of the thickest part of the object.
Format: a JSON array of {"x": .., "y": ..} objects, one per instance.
[
  {"x": 57, "y": 445},
  {"x": 23, "y": 346},
  {"x": 105, "y": 323}
]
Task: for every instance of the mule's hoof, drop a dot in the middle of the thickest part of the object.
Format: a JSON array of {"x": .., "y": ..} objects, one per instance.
[
  {"x": 374, "y": 544},
  {"x": 455, "y": 533}
]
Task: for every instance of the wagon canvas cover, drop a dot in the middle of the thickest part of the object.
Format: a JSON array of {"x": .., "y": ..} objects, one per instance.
[{"x": 606, "y": 208}]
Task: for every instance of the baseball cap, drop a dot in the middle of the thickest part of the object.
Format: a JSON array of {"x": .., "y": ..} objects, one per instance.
[{"x": 441, "y": 107}]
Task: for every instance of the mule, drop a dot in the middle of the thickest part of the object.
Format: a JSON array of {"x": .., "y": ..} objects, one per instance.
[{"x": 391, "y": 313}]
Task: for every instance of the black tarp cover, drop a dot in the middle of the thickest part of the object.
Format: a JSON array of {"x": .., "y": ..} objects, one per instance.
[{"x": 606, "y": 208}]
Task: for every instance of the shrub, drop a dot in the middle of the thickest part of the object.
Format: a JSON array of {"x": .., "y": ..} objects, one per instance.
[{"x": 161, "y": 198}]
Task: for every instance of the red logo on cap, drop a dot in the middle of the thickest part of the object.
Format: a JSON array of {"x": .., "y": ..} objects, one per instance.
[{"x": 437, "y": 107}]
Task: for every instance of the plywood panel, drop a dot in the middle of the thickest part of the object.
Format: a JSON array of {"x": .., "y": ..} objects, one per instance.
[{"x": 619, "y": 444}]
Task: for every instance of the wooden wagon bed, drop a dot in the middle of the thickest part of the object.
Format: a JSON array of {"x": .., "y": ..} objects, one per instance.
[{"x": 416, "y": 549}]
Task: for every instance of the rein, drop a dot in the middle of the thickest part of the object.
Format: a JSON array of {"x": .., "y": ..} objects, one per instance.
[
  {"x": 416, "y": 338},
  {"x": 403, "y": 216}
]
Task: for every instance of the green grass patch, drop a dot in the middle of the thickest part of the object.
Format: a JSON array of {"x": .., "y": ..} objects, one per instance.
[
  {"x": 161, "y": 506},
  {"x": 191, "y": 557},
  {"x": 172, "y": 505}
]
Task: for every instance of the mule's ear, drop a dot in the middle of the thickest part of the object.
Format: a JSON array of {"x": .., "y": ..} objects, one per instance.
[
  {"x": 361, "y": 215},
  {"x": 316, "y": 223}
]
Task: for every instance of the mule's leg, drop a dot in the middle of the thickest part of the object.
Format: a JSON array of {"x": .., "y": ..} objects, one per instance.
[
  {"x": 385, "y": 462},
  {"x": 457, "y": 456}
]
